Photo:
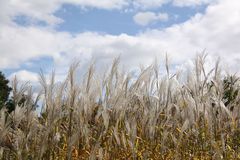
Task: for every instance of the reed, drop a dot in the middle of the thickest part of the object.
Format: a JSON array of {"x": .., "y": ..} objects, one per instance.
[{"x": 119, "y": 116}]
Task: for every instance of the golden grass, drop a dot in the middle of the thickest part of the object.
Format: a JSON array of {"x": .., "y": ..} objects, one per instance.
[{"x": 153, "y": 116}]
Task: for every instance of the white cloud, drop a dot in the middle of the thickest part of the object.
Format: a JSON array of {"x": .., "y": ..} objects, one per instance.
[
  {"x": 43, "y": 10},
  {"x": 24, "y": 76},
  {"x": 104, "y": 4},
  {"x": 145, "y": 18},
  {"x": 150, "y": 4},
  {"x": 20, "y": 44},
  {"x": 216, "y": 31},
  {"x": 40, "y": 10},
  {"x": 146, "y": 4},
  {"x": 182, "y": 3}
]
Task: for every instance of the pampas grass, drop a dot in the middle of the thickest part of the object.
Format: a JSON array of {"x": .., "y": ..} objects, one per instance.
[{"x": 118, "y": 116}]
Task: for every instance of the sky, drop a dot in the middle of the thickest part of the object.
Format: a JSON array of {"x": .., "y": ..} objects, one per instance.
[{"x": 45, "y": 35}]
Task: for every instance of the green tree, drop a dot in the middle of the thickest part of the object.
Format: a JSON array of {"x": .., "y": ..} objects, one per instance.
[
  {"x": 4, "y": 90},
  {"x": 231, "y": 89}
]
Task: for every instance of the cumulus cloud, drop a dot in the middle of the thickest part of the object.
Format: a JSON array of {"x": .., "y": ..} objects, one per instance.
[
  {"x": 182, "y": 3},
  {"x": 145, "y": 18},
  {"x": 146, "y": 4},
  {"x": 216, "y": 31},
  {"x": 25, "y": 76},
  {"x": 18, "y": 44},
  {"x": 43, "y": 10}
]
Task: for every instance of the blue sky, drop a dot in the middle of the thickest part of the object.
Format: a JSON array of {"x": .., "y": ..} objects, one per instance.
[
  {"x": 45, "y": 34},
  {"x": 116, "y": 22},
  {"x": 77, "y": 20}
]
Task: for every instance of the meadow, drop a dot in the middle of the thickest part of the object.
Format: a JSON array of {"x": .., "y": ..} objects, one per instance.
[{"x": 115, "y": 115}]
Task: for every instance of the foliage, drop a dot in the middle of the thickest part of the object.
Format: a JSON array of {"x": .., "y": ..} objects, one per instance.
[
  {"x": 11, "y": 103},
  {"x": 230, "y": 91},
  {"x": 4, "y": 90}
]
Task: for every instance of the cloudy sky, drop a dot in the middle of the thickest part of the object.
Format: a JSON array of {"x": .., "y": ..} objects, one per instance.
[{"x": 43, "y": 34}]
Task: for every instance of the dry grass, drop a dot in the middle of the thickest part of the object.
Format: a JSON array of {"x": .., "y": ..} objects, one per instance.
[{"x": 119, "y": 116}]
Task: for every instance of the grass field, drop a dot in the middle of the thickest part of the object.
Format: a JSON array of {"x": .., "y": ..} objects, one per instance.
[{"x": 118, "y": 116}]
